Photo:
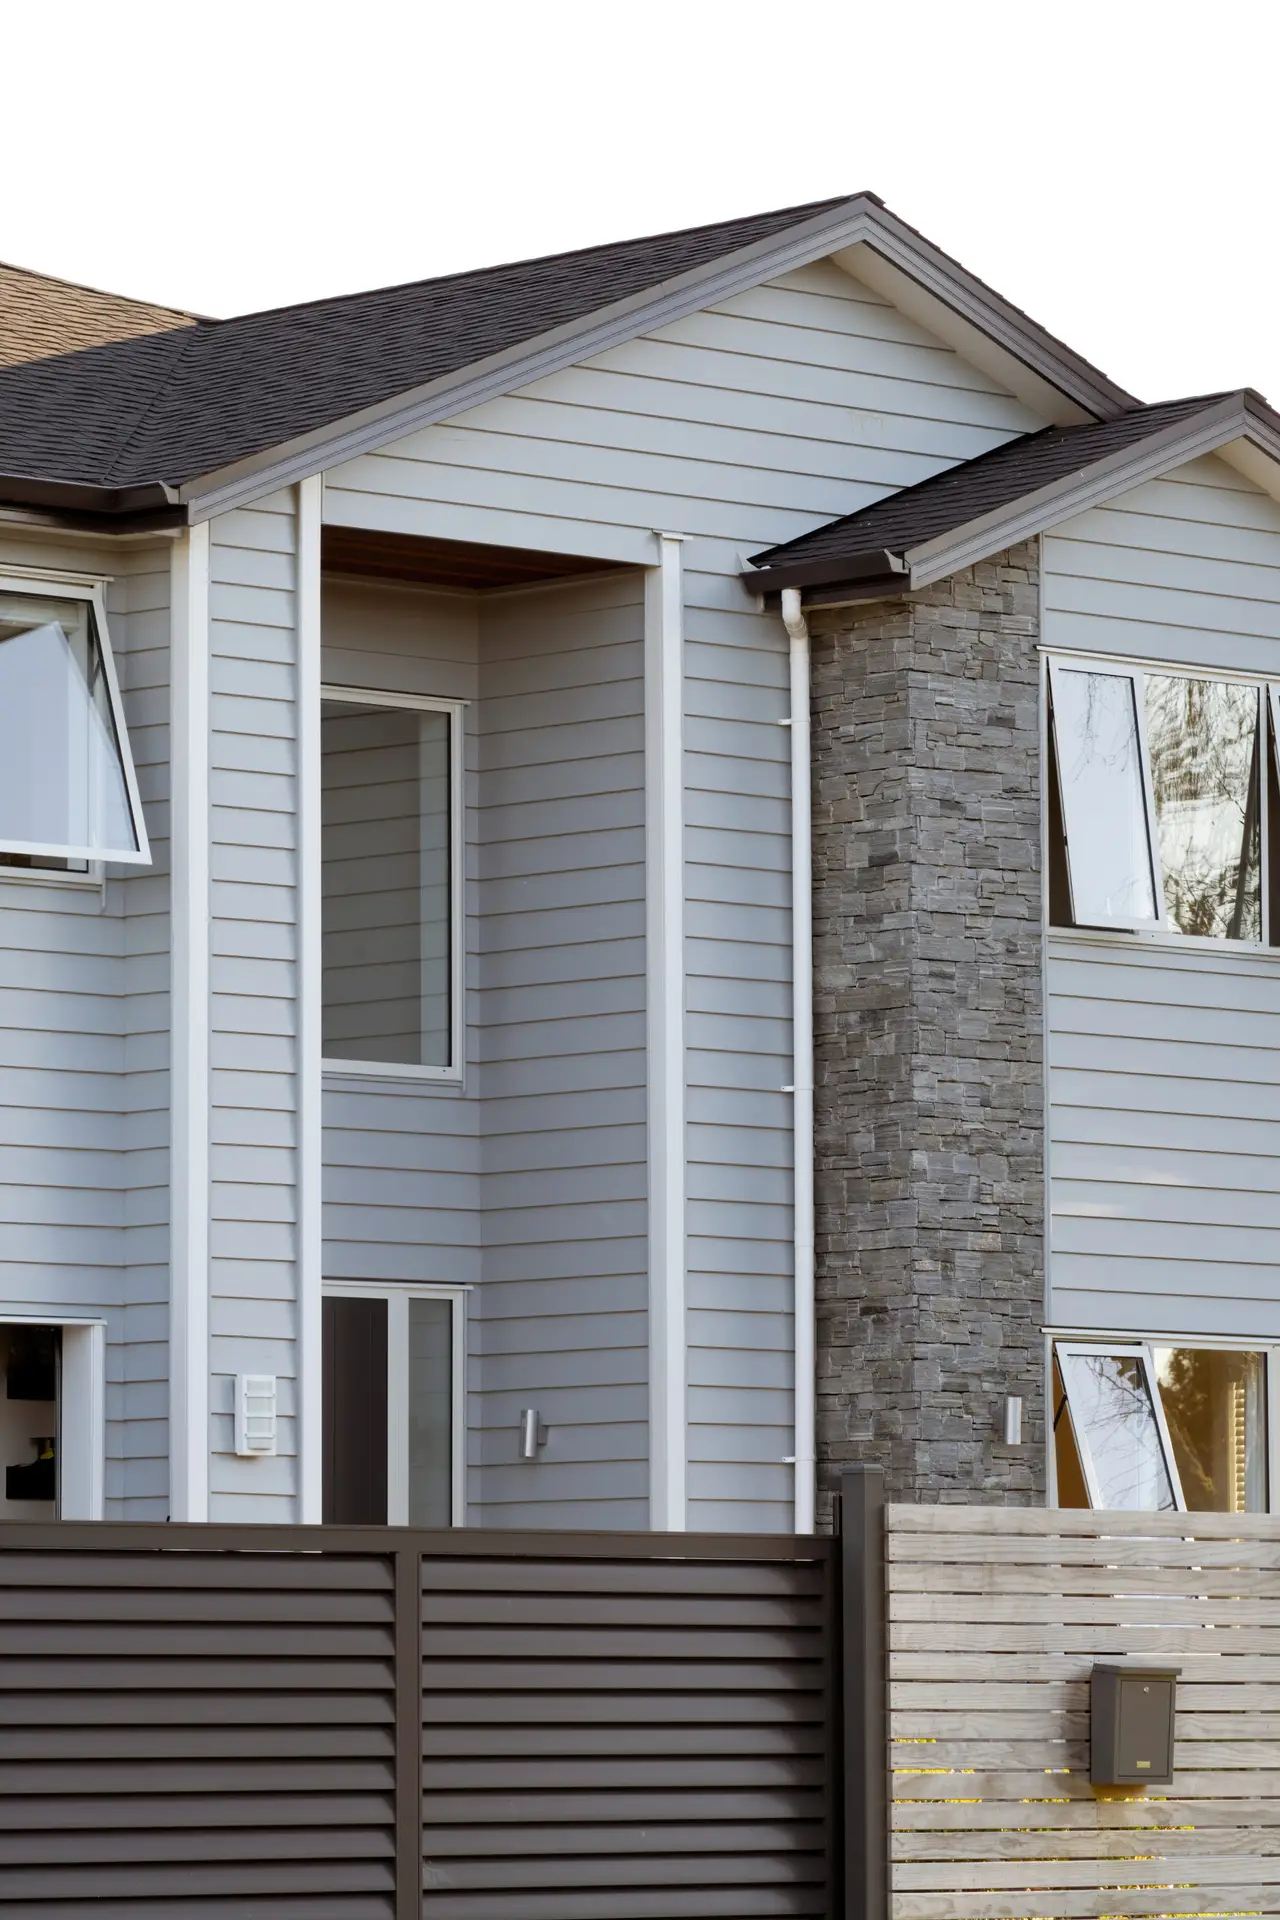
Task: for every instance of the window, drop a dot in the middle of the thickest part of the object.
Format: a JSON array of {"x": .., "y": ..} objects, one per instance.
[
  {"x": 67, "y": 789},
  {"x": 393, "y": 1366},
  {"x": 391, "y": 841},
  {"x": 1161, "y": 803},
  {"x": 1156, "y": 1428}
]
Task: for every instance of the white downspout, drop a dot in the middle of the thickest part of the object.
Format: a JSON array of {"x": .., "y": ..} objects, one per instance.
[{"x": 802, "y": 1048}]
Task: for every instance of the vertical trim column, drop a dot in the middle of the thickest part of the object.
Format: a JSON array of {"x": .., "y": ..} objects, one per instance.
[
  {"x": 664, "y": 965},
  {"x": 802, "y": 1069},
  {"x": 310, "y": 1148},
  {"x": 189, "y": 1013}
]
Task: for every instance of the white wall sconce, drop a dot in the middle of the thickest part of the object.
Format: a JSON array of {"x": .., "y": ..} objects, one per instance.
[
  {"x": 1013, "y": 1420},
  {"x": 532, "y": 1434},
  {"x": 255, "y": 1415}
]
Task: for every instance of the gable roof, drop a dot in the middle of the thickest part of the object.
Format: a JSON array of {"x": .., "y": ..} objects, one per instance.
[
  {"x": 982, "y": 505},
  {"x": 165, "y": 412},
  {"x": 41, "y": 317}
]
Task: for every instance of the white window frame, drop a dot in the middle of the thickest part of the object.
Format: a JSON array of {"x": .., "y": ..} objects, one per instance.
[
  {"x": 1160, "y": 931},
  {"x": 398, "y": 1294},
  {"x": 1144, "y": 1345},
  {"x": 39, "y": 585},
  {"x": 1060, "y": 663},
  {"x": 1142, "y": 1351},
  {"x": 456, "y": 710}
]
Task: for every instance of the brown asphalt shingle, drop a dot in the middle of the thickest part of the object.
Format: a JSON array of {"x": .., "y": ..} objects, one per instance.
[
  {"x": 173, "y": 405},
  {"x": 41, "y": 317}
]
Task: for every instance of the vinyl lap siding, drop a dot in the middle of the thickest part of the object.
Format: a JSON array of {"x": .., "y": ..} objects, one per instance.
[
  {"x": 1165, "y": 1150},
  {"x": 84, "y": 1070},
  {"x": 138, "y": 1369},
  {"x": 1164, "y": 1058},
  {"x": 253, "y": 788},
  {"x": 401, "y": 1159},
  {"x": 737, "y": 427},
  {"x": 562, "y": 1312}
]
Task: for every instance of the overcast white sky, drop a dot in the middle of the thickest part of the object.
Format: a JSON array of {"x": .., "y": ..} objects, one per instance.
[{"x": 1111, "y": 165}]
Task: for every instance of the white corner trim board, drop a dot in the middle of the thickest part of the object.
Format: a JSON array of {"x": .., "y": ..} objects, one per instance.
[
  {"x": 310, "y": 1072},
  {"x": 802, "y": 1061},
  {"x": 189, "y": 1092},
  {"x": 664, "y": 963},
  {"x": 82, "y": 1439}
]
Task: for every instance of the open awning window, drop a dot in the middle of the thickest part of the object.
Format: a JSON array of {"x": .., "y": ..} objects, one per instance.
[
  {"x": 1156, "y": 1428},
  {"x": 1159, "y": 805},
  {"x": 67, "y": 785}
]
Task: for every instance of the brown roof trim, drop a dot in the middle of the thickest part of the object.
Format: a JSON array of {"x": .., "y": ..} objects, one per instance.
[
  {"x": 111, "y": 509},
  {"x": 875, "y": 564}
]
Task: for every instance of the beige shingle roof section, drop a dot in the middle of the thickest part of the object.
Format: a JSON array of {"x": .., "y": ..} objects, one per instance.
[{"x": 41, "y": 317}]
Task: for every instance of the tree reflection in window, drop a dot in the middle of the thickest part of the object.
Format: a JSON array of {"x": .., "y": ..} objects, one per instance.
[
  {"x": 1117, "y": 1430},
  {"x": 1203, "y": 741}
]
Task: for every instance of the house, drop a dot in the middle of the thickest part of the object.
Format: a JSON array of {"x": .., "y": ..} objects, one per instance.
[{"x": 553, "y": 823}]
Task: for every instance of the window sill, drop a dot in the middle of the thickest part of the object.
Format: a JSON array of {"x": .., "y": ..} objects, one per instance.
[
  {"x": 407, "y": 1078},
  {"x": 50, "y": 877},
  {"x": 1144, "y": 940}
]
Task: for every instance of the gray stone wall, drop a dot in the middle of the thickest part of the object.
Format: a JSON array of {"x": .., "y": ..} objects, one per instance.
[{"x": 928, "y": 1030}]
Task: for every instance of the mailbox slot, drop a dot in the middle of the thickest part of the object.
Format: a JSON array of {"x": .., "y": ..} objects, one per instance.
[{"x": 1131, "y": 1725}]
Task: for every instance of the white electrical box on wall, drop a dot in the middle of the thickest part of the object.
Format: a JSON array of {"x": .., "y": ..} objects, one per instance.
[{"x": 255, "y": 1414}]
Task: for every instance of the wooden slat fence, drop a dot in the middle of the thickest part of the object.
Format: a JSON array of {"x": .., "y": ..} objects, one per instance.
[{"x": 995, "y": 1617}]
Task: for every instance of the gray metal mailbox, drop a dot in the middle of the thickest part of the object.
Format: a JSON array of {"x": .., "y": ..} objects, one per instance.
[{"x": 1131, "y": 1725}]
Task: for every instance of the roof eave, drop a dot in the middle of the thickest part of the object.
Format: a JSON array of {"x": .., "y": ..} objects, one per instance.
[
  {"x": 96, "y": 508},
  {"x": 873, "y": 564},
  {"x": 1240, "y": 417}
]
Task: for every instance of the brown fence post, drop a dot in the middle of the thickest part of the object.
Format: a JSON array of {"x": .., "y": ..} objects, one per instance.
[
  {"x": 408, "y": 1731},
  {"x": 866, "y": 1750}
]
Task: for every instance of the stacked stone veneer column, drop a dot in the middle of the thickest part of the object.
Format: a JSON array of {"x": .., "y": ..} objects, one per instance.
[{"x": 928, "y": 1028}]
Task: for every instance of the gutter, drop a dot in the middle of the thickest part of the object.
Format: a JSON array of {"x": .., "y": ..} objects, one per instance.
[
  {"x": 863, "y": 568},
  {"x": 96, "y": 509},
  {"x": 805, "y": 1345}
]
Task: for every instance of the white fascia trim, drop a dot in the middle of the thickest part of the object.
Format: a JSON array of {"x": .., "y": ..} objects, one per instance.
[
  {"x": 988, "y": 313},
  {"x": 1092, "y": 486},
  {"x": 189, "y": 1010},
  {"x": 664, "y": 967},
  {"x": 310, "y": 1081},
  {"x": 859, "y": 220}
]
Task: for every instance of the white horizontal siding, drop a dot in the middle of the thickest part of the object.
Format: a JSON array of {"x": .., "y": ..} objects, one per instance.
[
  {"x": 253, "y": 1308},
  {"x": 1164, "y": 1077},
  {"x": 736, "y": 427},
  {"x": 138, "y": 1395},
  {"x": 561, "y": 1318},
  {"x": 1185, "y": 569},
  {"x": 1164, "y": 1060},
  {"x": 84, "y": 1053},
  {"x": 401, "y": 1159}
]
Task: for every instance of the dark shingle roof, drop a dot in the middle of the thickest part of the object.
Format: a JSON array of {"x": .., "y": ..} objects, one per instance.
[
  {"x": 180, "y": 404},
  {"x": 950, "y": 500}
]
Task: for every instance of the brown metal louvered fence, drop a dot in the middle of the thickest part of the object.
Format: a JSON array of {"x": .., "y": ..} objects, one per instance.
[{"x": 222, "y": 1723}]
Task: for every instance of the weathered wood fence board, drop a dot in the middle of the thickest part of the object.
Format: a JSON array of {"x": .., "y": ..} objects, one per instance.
[{"x": 995, "y": 1618}]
